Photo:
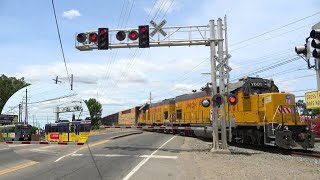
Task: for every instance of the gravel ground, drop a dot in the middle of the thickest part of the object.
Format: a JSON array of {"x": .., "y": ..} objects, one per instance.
[{"x": 199, "y": 163}]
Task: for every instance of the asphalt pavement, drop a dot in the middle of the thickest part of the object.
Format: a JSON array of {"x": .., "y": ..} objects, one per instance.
[{"x": 140, "y": 156}]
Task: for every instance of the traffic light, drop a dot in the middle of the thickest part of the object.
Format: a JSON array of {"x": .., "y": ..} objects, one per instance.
[
  {"x": 81, "y": 38},
  {"x": 217, "y": 100},
  {"x": 103, "y": 38},
  {"x": 315, "y": 43},
  {"x": 232, "y": 99},
  {"x": 144, "y": 36}
]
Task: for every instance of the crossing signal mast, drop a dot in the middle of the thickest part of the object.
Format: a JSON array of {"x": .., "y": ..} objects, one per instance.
[
  {"x": 305, "y": 51},
  {"x": 145, "y": 37}
]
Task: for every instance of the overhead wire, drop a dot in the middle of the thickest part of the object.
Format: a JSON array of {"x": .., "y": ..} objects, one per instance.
[{"x": 64, "y": 59}]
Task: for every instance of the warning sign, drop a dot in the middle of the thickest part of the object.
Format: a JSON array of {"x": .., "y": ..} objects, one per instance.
[{"x": 313, "y": 99}]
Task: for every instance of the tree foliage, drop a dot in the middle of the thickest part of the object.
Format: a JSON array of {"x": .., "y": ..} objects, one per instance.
[
  {"x": 95, "y": 109},
  {"x": 9, "y": 86}
]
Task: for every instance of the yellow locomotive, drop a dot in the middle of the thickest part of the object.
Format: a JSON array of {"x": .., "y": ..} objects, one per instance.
[{"x": 263, "y": 115}]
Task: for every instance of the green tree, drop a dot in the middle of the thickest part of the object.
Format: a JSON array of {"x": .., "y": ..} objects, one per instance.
[
  {"x": 95, "y": 109},
  {"x": 9, "y": 86},
  {"x": 34, "y": 130}
]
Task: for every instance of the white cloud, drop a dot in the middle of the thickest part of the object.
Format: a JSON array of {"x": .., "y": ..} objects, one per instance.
[{"x": 71, "y": 14}]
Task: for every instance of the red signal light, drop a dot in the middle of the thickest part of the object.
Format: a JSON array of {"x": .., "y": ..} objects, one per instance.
[
  {"x": 218, "y": 100},
  {"x": 93, "y": 37},
  {"x": 143, "y": 29},
  {"x": 232, "y": 99},
  {"x": 133, "y": 35},
  {"x": 102, "y": 31}
]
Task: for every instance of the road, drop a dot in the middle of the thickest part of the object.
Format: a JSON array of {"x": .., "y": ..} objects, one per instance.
[{"x": 141, "y": 156}]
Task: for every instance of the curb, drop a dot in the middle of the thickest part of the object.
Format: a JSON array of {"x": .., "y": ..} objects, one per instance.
[{"x": 124, "y": 135}]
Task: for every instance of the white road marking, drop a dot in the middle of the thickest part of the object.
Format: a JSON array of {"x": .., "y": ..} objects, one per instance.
[
  {"x": 64, "y": 156},
  {"x": 135, "y": 169}
]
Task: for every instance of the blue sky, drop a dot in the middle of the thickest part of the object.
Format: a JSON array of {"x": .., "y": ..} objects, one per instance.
[{"x": 30, "y": 46}]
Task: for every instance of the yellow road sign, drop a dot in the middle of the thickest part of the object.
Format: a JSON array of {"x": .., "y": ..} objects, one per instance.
[{"x": 313, "y": 99}]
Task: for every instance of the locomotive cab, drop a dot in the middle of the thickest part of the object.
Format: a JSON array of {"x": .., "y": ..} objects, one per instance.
[{"x": 268, "y": 116}]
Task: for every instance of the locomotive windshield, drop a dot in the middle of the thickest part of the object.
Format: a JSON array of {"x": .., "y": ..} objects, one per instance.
[{"x": 258, "y": 86}]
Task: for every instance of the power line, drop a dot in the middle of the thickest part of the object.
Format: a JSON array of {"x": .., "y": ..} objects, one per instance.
[
  {"x": 276, "y": 29},
  {"x": 64, "y": 59}
]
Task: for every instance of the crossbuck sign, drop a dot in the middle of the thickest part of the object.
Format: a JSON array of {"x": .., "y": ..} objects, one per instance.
[{"x": 158, "y": 28}]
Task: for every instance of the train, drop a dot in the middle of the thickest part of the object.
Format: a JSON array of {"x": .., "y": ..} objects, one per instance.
[
  {"x": 262, "y": 116},
  {"x": 75, "y": 131},
  {"x": 16, "y": 132}
]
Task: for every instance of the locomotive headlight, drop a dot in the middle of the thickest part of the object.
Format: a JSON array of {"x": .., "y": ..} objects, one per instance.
[
  {"x": 307, "y": 128},
  {"x": 286, "y": 128}
]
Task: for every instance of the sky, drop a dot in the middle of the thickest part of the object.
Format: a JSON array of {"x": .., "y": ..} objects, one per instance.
[{"x": 123, "y": 78}]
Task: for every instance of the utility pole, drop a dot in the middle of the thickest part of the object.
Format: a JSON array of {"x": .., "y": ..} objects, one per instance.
[
  {"x": 213, "y": 57},
  {"x": 71, "y": 83},
  {"x": 150, "y": 98},
  {"x": 26, "y": 109},
  {"x": 32, "y": 120},
  {"x": 20, "y": 113},
  {"x": 317, "y": 68}
]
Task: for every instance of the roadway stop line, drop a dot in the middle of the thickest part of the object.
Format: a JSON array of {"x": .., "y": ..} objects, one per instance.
[{"x": 135, "y": 169}]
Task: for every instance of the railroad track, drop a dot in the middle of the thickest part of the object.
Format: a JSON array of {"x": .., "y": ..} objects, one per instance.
[{"x": 305, "y": 153}]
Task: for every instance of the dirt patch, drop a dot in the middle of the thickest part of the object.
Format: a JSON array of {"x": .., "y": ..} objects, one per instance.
[{"x": 241, "y": 164}]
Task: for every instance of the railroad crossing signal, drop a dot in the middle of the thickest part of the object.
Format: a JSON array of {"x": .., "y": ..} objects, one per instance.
[
  {"x": 158, "y": 28},
  {"x": 315, "y": 43},
  {"x": 217, "y": 100},
  {"x": 224, "y": 64},
  {"x": 232, "y": 99}
]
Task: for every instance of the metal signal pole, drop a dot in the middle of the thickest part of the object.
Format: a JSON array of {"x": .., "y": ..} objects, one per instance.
[
  {"x": 222, "y": 86},
  {"x": 213, "y": 57},
  {"x": 228, "y": 78}
]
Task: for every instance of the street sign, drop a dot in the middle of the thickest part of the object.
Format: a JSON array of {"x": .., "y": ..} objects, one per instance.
[
  {"x": 312, "y": 99},
  {"x": 223, "y": 76},
  {"x": 158, "y": 28}
]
